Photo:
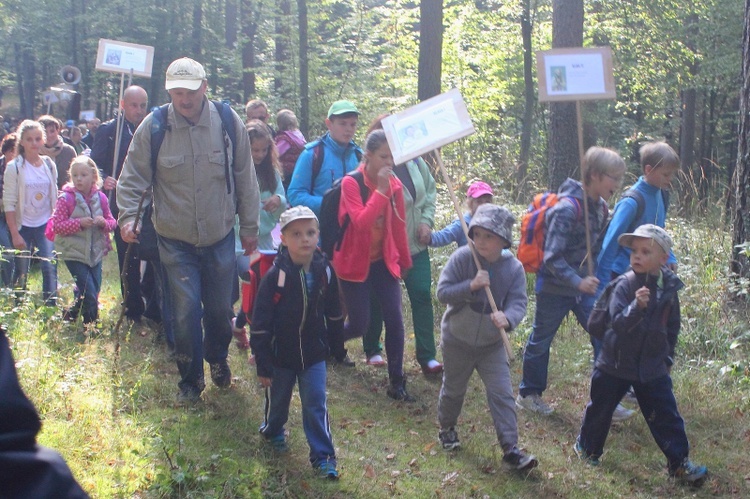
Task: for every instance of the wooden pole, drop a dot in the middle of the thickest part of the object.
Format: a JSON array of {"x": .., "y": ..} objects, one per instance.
[
  {"x": 118, "y": 129},
  {"x": 457, "y": 206},
  {"x": 589, "y": 255}
]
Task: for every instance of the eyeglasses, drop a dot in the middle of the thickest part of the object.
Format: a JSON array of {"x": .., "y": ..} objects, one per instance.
[{"x": 616, "y": 179}]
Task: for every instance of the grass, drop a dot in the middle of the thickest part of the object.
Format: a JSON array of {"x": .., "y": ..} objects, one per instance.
[{"x": 112, "y": 411}]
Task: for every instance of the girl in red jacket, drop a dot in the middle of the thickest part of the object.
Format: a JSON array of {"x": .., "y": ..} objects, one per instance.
[{"x": 374, "y": 253}]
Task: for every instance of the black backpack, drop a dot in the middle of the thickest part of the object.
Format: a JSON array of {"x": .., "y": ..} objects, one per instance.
[
  {"x": 331, "y": 233},
  {"x": 599, "y": 319}
]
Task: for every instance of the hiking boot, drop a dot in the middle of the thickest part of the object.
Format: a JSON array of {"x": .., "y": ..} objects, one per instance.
[
  {"x": 327, "y": 470},
  {"x": 621, "y": 414},
  {"x": 278, "y": 443},
  {"x": 583, "y": 455},
  {"x": 188, "y": 395},
  {"x": 533, "y": 403},
  {"x": 519, "y": 460},
  {"x": 221, "y": 375},
  {"x": 689, "y": 473},
  {"x": 397, "y": 391},
  {"x": 449, "y": 439}
]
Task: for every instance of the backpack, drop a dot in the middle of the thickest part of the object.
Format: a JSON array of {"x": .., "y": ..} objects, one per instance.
[
  {"x": 70, "y": 202},
  {"x": 317, "y": 162},
  {"x": 531, "y": 246},
  {"x": 331, "y": 233},
  {"x": 599, "y": 319},
  {"x": 640, "y": 203}
]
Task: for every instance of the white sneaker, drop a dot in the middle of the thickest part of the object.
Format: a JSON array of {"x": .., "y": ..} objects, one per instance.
[
  {"x": 534, "y": 403},
  {"x": 621, "y": 413}
]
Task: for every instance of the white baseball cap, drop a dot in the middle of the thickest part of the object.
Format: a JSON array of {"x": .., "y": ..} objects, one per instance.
[{"x": 185, "y": 73}]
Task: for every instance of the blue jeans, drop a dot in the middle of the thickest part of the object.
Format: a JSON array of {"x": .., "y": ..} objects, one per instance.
[
  {"x": 35, "y": 239},
  {"x": 657, "y": 403},
  {"x": 312, "y": 394},
  {"x": 6, "y": 265},
  {"x": 551, "y": 309},
  {"x": 88, "y": 284},
  {"x": 199, "y": 288}
]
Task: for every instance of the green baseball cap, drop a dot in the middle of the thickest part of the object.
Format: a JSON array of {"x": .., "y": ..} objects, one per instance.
[{"x": 342, "y": 107}]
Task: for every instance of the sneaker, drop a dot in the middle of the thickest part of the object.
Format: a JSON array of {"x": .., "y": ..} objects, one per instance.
[
  {"x": 397, "y": 391},
  {"x": 279, "y": 444},
  {"x": 327, "y": 470},
  {"x": 240, "y": 336},
  {"x": 621, "y": 414},
  {"x": 534, "y": 403},
  {"x": 449, "y": 439},
  {"x": 583, "y": 455},
  {"x": 221, "y": 375},
  {"x": 689, "y": 473},
  {"x": 519, "y": 460},
  {"x": 345, "y": 361},
  {"x": 375, "y": 360},
  {"x": 432, "y": 367}
]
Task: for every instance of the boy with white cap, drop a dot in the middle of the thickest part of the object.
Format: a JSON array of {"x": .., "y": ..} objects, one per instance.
[
  {"x": 638, "y": 350},
  {"x": 296, "y": 316}
]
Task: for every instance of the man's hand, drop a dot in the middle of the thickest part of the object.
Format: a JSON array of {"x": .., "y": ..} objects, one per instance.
[
  {"x": 588, "y": 285},
  {"x": 109, "y": 183},
  {"x": 127, "y": 234},
  {"x": 265, "y": 382},
  {"x": 249, "y": 243}
]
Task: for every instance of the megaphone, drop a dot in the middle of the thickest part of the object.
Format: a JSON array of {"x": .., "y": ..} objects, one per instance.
[{"x": 70, "y": 74}]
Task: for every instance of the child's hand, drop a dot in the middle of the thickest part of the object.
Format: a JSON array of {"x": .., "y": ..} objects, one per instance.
[
  {"x": 384, "y": 180},
  {"x": 86, "y": 222},
  {"x": 272, "y": 204},
  {"x": 481, "y": 280},
  {"x": 589, "y": 285},
  {"x": 642, "y": 296},
  {"x": 100, "y": 222},
  {"x": 265, "y": 382},
  {"x": 424, "y": 234},
  {"x": 499, "y": 320}
]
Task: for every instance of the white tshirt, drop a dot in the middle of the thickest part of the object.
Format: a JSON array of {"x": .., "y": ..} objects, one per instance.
[{"x": 36, "y": 203}]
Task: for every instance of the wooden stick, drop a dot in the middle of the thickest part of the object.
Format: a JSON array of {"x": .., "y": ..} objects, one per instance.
[
  {"x": 118, "y": 128},
  {"x": 589, "y": 255},
  {"x": 457, "y": 206}
]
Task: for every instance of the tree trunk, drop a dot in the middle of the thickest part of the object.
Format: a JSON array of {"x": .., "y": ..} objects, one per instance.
[
  {"x": 304, "y": 84},
  {"x": 429, "y": 70},
  {"x": 529, "y": 100},
  {"x": 281, "y": 48},
  {"x": 740, "y": 259},
  {"x": 564, "y": 159},
  {"x": 230, "y": 23},
  {"x": 249, "y": 29},
  {"x": 197, "y": 29}
]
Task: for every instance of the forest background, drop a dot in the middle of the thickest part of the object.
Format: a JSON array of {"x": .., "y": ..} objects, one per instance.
[{"x": 107, "y": 400}]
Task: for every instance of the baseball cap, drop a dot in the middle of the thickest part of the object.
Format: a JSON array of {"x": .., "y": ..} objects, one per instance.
[
  {"x": 496, "y": 219},
  {"x": 479, "y": 189},
  {"x": 341, "y": 107},
  {"x": 647, "y": 231},
  {"x": 185, "y": 73},
  {"x": 296, "y": 213}
]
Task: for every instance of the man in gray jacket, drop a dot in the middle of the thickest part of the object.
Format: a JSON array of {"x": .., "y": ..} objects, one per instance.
[{"x": 196, "y": 196}]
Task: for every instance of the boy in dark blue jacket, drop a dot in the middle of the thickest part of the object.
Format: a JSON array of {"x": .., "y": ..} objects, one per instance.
[
  {"x": 296, "y": 316},
  {"x": 638, "y": 350}
]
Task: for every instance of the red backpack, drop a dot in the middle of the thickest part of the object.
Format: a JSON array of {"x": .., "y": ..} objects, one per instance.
[{"x": 531, "y": 247}]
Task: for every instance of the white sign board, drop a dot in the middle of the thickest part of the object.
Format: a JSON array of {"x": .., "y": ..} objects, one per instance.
[
  {"x": 50, "y": 98},
  {"x": 122, "y": 57},
  {"x": 88, "y": 115},
  {"x": 427, "y": 126},
  {"x": 575, "y": 74}
]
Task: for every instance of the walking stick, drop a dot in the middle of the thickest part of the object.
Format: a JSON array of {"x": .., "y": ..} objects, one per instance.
[
  {"x": 589, "y": 254},
  {"x": 457, "y": 206}
]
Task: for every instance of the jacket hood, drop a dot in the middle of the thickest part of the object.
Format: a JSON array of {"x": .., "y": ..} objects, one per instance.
[
  {"x": 336, "y": 147},
  {"x": 571, "y": 188}
]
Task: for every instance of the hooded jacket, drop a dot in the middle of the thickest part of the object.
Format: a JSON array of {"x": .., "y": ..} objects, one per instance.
[
  {"x": 419, "y": 209},
  {"x": 293, "y": 325},
  {"x": 467, "y": 317},
  {"x": 640, "y": 344},
  {"x": 565, "y": 240}
]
